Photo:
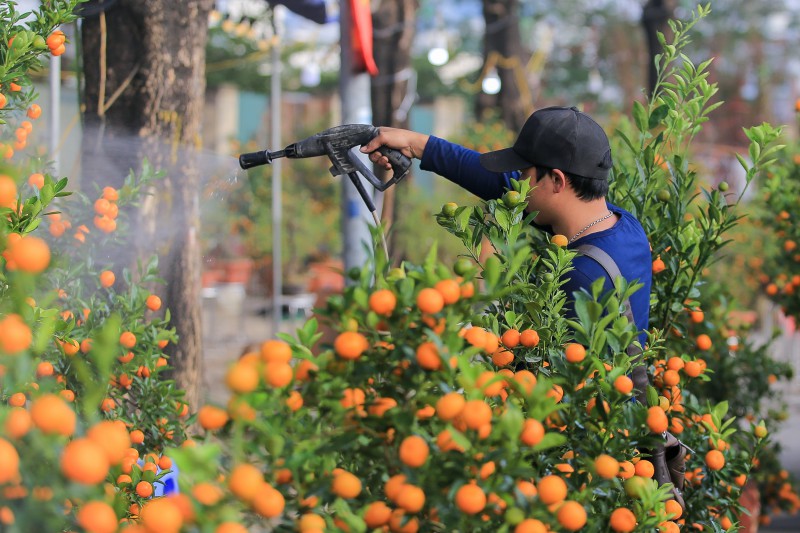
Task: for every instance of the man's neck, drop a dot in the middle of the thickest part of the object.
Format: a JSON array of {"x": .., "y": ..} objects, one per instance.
[{"x": 584, "y": 218}]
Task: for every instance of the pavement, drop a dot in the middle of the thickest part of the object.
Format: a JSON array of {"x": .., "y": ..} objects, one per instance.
[
  {"x": 786, "y": 348},
  {"x": 244, "y": 321},
  {"x": 788, "y": 435}
]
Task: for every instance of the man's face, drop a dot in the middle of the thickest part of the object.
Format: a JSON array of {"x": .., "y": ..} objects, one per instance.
[{"x": 538, "y": 198}]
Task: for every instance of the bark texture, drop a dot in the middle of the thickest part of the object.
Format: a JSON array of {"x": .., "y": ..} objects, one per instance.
[
  {"x": 655, "y": 15},
  {"x": 144, "y": 65},
  {"x": 503, "y": 47},
  {"x": 393, "y": 90}
]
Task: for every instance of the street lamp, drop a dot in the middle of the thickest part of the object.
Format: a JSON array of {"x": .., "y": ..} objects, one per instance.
[
  {"x": 438, "y": 56},
  {"x": 491, "y": 83}
]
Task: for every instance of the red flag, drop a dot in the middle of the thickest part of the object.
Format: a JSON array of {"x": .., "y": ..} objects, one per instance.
[{"x": 361, "y": 19}]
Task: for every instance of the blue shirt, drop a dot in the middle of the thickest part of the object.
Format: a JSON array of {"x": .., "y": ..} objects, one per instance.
[{"x": 626, "y": 242}]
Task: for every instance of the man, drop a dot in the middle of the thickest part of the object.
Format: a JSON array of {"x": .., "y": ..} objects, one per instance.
[{"x": 568, "y": 156}]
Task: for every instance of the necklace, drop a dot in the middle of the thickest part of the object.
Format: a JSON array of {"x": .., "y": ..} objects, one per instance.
[{"x": 589, "y": 226}]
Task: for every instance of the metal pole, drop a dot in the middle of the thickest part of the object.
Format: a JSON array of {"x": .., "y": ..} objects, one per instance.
[
  {"x": 55, "y": 112},
  {"x": 275, "y": 95},
  {"x": 354, "y": 92}
]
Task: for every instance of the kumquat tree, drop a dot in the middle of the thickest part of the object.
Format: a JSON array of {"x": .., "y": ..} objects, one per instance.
[
  {"x": 462, "y": 399},
  {"x": 452, "y": 398},
  {"x": 85, "y": 417},
  {"x": 708, "y": 357},
  {"x": 779, "y": 276}
]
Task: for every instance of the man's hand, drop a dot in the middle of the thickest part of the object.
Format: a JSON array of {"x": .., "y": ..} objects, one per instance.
[{"x": 410, "y": 143}]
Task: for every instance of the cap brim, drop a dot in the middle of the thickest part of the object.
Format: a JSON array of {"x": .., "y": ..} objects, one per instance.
[{"x": 505, "y": 160}]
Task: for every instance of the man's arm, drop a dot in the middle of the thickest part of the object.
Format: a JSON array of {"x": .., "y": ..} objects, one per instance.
[{"x": 452, "y": 161}]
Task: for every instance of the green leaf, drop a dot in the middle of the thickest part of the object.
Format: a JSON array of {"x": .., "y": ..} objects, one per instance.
[
  {"x": 502, "y": 219},
  {"x": 721, "y": 409},
  {"x": 275, "y": 444},
  {"x": 511, "y": 423},
  {"x": 511, "y": 318},
  {"x": 652, "y": 396},
  {"x": 550, "y": 440},
  {"x": 462, "y": 217},
  {"x": 625, "y": 139},
  {"x": 657, "y": 116},
  {"x": 640, "y": 116},
  {"x": 33, "y": 225},
  {"x": 459, "y": 438},
  {"x": 754, "y": 151},
  {"x": 44, "y": 333},
  {"x": 491, "y": 272},
  {"x": 431, "y": 259},
  {"x": 308, "y": 330}
]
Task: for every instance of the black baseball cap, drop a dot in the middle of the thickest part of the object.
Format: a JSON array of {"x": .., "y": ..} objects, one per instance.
[{"x": 556, "y": 137}]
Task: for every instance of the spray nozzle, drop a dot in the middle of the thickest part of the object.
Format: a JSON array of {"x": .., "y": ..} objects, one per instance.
[
  {"x": 263, "y": 157},
  {"x": 254, "y": 159}
]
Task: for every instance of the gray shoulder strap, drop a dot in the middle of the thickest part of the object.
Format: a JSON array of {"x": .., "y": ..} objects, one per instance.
[
  {"x": 611, "y": 268},
  {"x": 639, "y": 372}
]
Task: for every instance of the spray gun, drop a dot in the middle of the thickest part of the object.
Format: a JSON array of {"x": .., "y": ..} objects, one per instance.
[{"x": 337, "y": 144}]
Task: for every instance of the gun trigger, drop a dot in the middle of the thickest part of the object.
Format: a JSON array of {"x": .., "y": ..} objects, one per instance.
[{"x": 340, "y": 166}]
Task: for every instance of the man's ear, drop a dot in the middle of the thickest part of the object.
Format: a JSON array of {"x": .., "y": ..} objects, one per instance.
[{"x": 559, "y": 180}]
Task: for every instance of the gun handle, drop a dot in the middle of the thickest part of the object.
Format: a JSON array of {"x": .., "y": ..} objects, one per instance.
[
  {"x": 400, "y": 167},
  {"x": 400, "y": 164}
]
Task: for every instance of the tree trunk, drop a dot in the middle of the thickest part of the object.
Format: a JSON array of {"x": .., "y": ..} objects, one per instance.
[
  {"x": 393, "y": 90},
  {"x": 655, "y": 15},
  {"x": 144, "y": 68},
  {"x": 503, "y": 50},
  {"x": 112, "y": 59}
]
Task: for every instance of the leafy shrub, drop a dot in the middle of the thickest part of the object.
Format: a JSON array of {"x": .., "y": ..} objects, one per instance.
[
  {"x": 452, "y": 398},
  {"x": 778, "y": 272},
  {"x": 689, "y": 226},
  {"x": 333, "y": 444},
  {"x": 772, "y": 267}
]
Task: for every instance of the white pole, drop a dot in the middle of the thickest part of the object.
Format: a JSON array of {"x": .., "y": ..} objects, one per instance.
[
  {"x": 55, "y": 112},
  {"x": 275, "y": 95}
]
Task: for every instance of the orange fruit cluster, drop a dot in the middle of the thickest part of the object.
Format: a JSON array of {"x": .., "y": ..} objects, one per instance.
[
  {"x": 106, "y": 210},
  {"x": 58, "y": 224},
  {"x": 56, "y": 42},
  {"x": 15, "y": 335},
  {"x": 26, "y": 253},
  {"x": 21, "y": 135},
  {"x": 8, "y": 192}
]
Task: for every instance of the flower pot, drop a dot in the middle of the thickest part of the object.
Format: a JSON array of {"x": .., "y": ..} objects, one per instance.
[
  {"x": 209, "y": 278},
  {"x": 238, "y": 270},
  {"x": 750, "y": 499}
]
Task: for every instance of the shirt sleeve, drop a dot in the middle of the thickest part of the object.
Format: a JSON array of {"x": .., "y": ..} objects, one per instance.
[{"x": 461, "y": 166}]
